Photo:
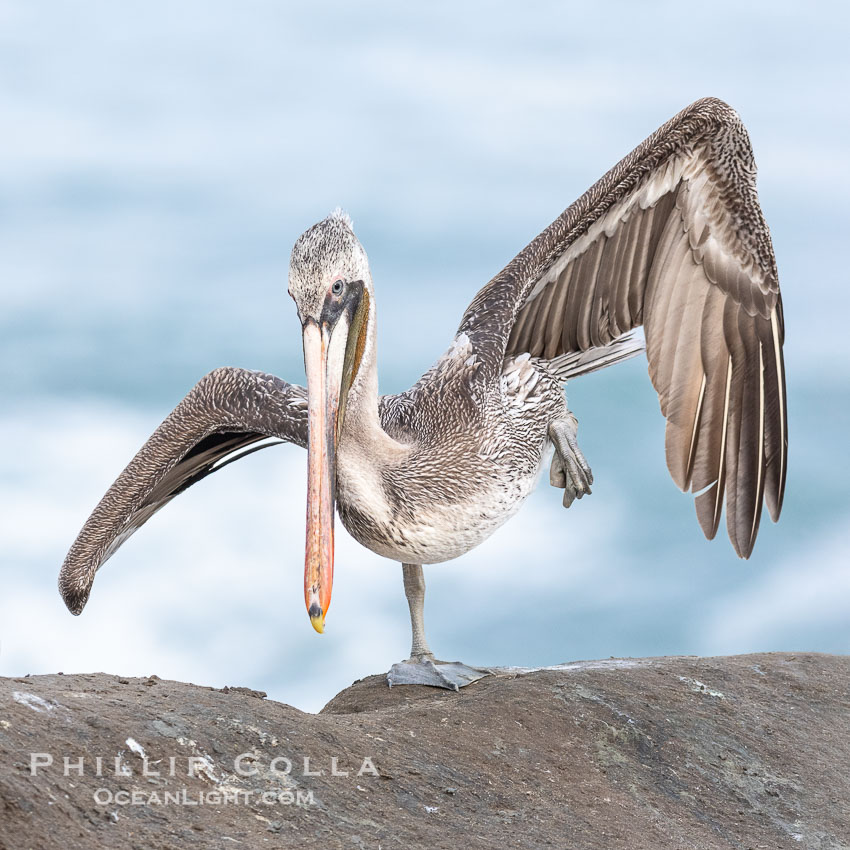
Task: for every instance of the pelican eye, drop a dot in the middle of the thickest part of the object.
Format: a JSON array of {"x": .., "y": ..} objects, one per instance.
[{"x": 336, "y": 287}]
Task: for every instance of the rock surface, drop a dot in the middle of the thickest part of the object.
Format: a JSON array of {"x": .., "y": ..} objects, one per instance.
[{"x": 739, "y": 752}]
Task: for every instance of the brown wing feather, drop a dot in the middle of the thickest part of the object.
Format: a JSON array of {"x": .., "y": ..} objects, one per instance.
[
  {"x": 228, "y": 414},
  {"x": 672, "y": 238}
]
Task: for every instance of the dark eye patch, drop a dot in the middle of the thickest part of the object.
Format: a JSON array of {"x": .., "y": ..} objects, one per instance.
[{"x": 338, "y": 302}]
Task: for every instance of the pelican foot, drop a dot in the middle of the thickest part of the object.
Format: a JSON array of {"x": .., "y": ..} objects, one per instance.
[
  {"x": 451, "y": 675},
  {"x": 569, "y": 471}
]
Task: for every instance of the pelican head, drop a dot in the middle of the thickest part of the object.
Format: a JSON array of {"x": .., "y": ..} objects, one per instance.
[{"x": 329, "y": 281}]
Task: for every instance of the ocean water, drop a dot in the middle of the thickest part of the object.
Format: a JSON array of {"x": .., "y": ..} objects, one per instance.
[{"x": 159, "y": 160}]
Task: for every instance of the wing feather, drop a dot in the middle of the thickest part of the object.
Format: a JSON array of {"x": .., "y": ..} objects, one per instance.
[
  {"x": 775, "y": 433},
  {"x": 709, "y": 502},
  {"x": 541, "y": 319},
  {"x": 587, "y": 336},
  {"x": 644, "y": 252},
  {"x": 619, "y": 274},
  {"x": 555, "y": 324},
  {"x": 714, "y": 358},
  {"x": 686, "y": 381}
]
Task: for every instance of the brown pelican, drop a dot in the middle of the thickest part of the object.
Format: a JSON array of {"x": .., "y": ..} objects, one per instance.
[{"x": 672, "y": 238}]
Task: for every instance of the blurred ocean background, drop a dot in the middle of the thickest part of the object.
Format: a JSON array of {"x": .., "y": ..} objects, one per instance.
[{"x": 157, "y": 161}]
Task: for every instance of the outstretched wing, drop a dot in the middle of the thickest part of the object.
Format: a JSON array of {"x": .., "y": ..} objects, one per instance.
[
  {"x": 229, "y": 413},
  {"x": 672, "y": 238}
]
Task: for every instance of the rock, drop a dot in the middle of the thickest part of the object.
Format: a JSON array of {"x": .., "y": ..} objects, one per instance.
[{"x": 739, "y": 752}]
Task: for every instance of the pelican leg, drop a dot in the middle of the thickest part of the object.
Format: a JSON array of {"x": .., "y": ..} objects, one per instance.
[
  {"x": 569, "y": 471},
  {"x": 414, "y": 590},
  {"x": 421, "y": 668}
]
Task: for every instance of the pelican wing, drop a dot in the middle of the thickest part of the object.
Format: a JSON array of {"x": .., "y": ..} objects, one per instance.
[
  {"x": 229, "y": 413},
  {"x": 672, "y": 238}
]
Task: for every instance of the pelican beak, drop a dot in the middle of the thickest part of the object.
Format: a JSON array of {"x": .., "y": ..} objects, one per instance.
[
  {"x": 333, "y": 347},
  {"x": 324, "y": 353}
]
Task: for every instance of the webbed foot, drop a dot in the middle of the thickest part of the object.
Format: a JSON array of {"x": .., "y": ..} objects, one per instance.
[
  {"x": 452, "y": 675},
  {"x": 569, "y": 471}
]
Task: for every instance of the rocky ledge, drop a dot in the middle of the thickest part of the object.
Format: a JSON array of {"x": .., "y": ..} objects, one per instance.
[{"x": 739, "y": 752}]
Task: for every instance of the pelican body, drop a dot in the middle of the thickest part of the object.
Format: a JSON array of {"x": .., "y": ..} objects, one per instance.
[{"x": 671, "y": 239}]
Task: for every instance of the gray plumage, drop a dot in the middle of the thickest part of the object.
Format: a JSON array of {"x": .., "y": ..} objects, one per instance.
[{"x": 672, "y": 238}]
